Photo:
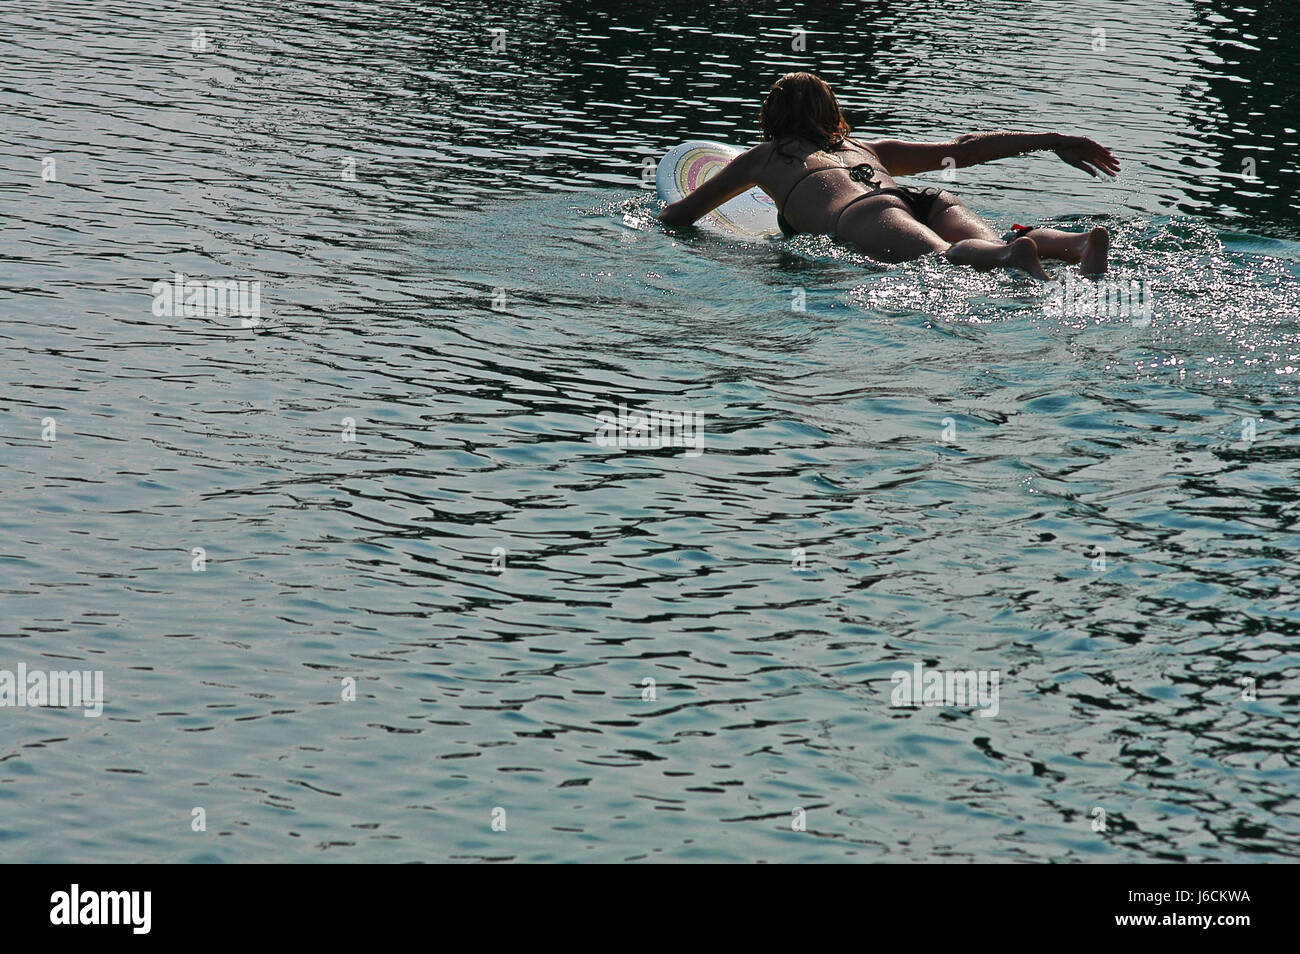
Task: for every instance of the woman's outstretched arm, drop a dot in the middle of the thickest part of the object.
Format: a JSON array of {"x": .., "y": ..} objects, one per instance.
[
  {"x": 734, "y": 178},
  {"x": 907, "y": 158}
]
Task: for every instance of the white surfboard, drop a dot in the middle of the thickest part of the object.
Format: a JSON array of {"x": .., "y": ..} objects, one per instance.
[{"x": 750, "y": 216}]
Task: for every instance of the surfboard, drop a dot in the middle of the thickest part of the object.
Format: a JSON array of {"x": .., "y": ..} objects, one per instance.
[{"x": 750, "y": 216}]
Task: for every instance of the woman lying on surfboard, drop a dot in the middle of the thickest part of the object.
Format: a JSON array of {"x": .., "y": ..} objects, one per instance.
[{"x": 827, "y": 183}]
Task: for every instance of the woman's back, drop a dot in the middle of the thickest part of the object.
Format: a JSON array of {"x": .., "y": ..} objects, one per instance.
[{"x": 811, "y": 185}]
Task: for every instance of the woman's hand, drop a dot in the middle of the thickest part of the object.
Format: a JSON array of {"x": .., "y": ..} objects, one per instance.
[
  {"x": 1083, "y": 153},
  {"x": 671, "y": 214}
]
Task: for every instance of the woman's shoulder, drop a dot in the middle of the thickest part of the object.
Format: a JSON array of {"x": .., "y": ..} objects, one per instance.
[
  {"x": 757, "y": 157},
  {"x": 786, "y": 150},
  {"x": 859, "y": 145},
  {"x": 865, "y": 148}
]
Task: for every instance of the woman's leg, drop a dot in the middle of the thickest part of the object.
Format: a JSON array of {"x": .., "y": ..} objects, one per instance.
[
  {"x": 891, "y": 234},
  {"x": 951, "y": 219},
  {"x": 1089, "y": 249},
  {"x": 981, "y": 254}
]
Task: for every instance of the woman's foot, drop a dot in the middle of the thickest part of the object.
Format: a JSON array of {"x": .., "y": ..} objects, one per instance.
[
  {"x": 983, "y": 255},
  {"x": 1023, "y": 254},
  {"x": 1088, "y": 250},
  {"x": 1095, "y": 253}
]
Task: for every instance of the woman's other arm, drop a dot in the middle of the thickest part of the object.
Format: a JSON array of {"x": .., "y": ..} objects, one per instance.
[{"x": 907, "y": 158}]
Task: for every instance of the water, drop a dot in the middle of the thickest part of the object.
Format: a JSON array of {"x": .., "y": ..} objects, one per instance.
[{"x": 481, "y": 174}]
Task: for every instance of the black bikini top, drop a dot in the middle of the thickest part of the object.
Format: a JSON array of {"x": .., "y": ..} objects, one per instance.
[{"x": 864, "y": 172}]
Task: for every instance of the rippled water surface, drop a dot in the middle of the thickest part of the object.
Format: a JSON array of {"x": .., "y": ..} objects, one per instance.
[{"x": 457, "y": 252}]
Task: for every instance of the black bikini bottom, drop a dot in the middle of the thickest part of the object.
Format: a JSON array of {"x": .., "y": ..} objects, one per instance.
[{"x": 919, "y": 202}]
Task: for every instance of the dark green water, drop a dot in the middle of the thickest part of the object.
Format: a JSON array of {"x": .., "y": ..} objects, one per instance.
[{"x": 920, "y": 467}]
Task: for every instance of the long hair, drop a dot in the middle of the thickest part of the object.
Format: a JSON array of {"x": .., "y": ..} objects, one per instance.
[{"x": 802, "y": 106}]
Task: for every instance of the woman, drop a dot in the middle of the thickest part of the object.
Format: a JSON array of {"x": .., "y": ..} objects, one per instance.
[{"x": 827, "y": 183}]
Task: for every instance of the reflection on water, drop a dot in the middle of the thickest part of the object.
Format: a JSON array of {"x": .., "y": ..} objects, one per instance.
[{"x": 638, "y": 654}]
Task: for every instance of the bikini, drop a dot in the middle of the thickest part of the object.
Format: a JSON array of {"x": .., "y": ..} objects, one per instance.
[{"x": 918, "y": 201}]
